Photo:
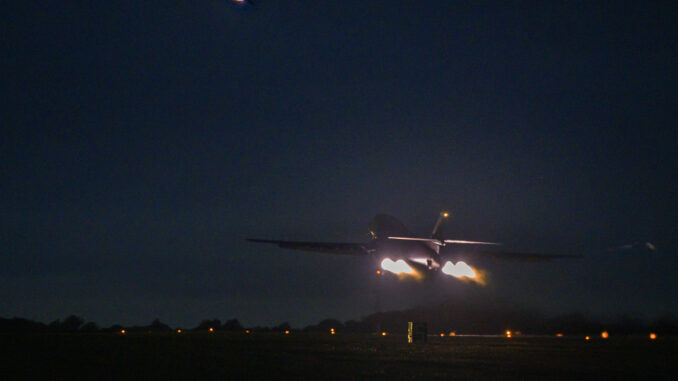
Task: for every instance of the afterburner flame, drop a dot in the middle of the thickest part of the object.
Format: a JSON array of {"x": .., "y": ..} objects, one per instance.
[
  {"x": 461, "y": 269},
  {"x": 397, "y": 267}
]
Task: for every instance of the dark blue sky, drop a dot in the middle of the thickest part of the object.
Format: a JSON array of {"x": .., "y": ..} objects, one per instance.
[{"x": 143, "y": 141}]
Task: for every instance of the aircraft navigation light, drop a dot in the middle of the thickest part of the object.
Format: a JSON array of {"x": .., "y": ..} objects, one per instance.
[
  {"x": 604, "y": 335},
  {"x": 653, "y": 336}
]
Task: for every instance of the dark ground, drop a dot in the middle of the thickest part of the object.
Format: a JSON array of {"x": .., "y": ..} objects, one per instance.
[{"x": 222, "y": 355}]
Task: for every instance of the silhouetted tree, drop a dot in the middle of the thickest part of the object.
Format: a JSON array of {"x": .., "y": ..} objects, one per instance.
[
  {"x": 114, "y": 328},
  {"x": 89, "y": 327},
  {"x": 207, "y": 324},
  {"x": 158, "y": 326},
  {"x": 72, "y": 323},
  {"x": 21, "y": 325},
  {"x": 282, "y": 327},
  {"x": 232, "y": 325}
]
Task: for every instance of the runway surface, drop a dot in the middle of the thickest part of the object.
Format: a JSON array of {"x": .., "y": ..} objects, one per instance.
[{"x": 203, "y": 355}]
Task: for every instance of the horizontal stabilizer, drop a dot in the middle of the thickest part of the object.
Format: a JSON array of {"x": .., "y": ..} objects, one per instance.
[
  {"x": 470, "y": 242},
  {"x": 508, "y": 256},
  {"x": 431, "y": 240},
  {"x": 442, "y": 243}
]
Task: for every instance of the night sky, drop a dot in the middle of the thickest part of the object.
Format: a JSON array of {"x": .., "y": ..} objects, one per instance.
[{"x": 143, "y": 141}]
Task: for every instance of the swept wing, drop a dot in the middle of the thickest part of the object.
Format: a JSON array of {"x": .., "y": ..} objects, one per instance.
[{"x": 341, "y": 248}]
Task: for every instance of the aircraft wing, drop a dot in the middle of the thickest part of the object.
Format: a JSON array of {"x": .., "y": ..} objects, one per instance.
[
  {"x": 340, "y": 248},
  {"x": 507, "y": 256}
]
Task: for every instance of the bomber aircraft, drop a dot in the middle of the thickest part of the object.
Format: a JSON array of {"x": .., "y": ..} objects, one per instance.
[{"x": 398, "y": 251}]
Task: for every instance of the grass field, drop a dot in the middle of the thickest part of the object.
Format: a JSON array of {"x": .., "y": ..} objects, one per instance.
[{"x": 198, "y": 355}]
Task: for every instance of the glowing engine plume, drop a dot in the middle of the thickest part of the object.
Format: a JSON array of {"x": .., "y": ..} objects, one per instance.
[
  {"x": 461, "y": 269},
  {"x": 397, "y": 267}
]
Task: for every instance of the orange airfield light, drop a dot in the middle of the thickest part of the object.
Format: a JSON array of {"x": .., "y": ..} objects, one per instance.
[
  {"x": 442, "y": 335},
  {"x": 653, "y": 336},
  {"x": 604, "y": 335},
  {"x": 559, "y": 335},
  {"x": 287, "y": 332},
  {"x": 452, "y": 333},
  {"x": 508, "y": 334},
  {"x": 383, "y": 333},
  {"x": 247, "y": 331},
  {"x": 122, "y": 331},
  {"x": 211, "y": 329},
  {"x": 587, "y": 338}
]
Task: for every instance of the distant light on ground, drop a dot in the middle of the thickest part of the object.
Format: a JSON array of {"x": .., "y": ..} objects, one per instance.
[
  {"x": 178, "y": 331},
  {"x": 452, "y": 333},
  {"x": 559, "y": 335},
  {"x": 508, "y": 333},
  {"x": 211, "y": 329},
  {"x": 587, "y": 338},
  {"x": 122, "y": 331},
  {"x": 383, "y": 333},
  {"x": 331, "y": 331},
  {"x": 604, "y": 335},
  {"x": 460, "y": 270},
  {"x": 397, "y": 267},
  {"x": 287, "y": 332},
  {"x": 247, "y": 331},
  {"x": 653, "y": 336}
]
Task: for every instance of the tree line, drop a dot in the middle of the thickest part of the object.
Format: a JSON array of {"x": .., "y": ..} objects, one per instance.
[{"x": 442, "y": 318}]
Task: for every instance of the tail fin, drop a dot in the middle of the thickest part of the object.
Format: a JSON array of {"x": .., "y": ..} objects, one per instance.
[{"x": 437, "y": 229}]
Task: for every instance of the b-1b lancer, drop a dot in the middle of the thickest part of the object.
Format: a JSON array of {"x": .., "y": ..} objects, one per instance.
[{"x": 398, "y": 251}]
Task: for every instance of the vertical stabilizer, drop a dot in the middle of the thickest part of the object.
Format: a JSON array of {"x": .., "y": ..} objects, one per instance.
[{"x": 437, "y": 229}]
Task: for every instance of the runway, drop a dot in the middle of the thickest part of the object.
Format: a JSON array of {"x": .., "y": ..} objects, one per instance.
[{"x": 203, "y": 355}]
